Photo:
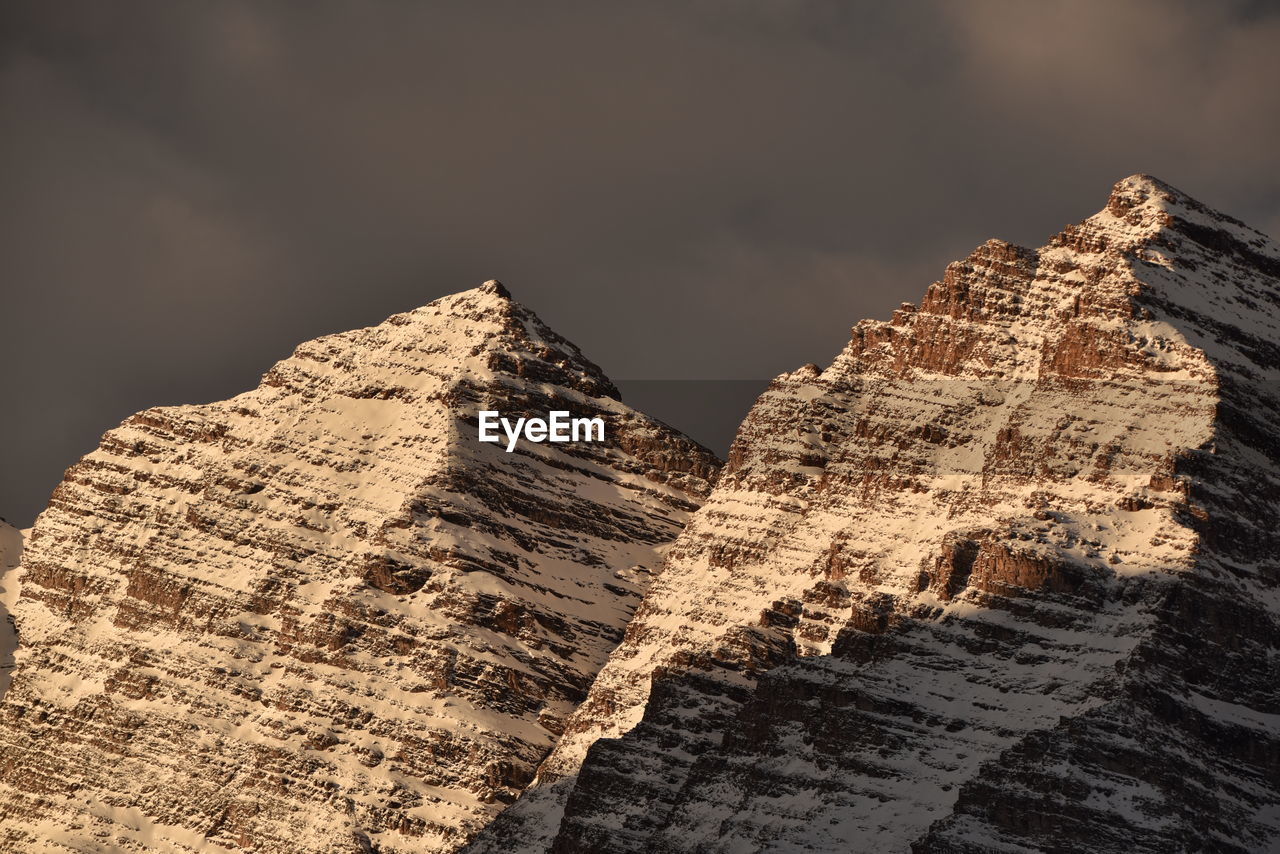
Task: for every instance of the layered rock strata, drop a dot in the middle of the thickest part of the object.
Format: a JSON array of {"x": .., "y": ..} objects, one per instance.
[
  {"x": 321, "y": 616},
  {"x": 1004, "y": 577}
]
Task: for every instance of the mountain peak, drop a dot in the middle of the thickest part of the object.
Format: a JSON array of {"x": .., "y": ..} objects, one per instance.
[
  {"x": 1017, "y": 471},
  {"x": 1143, "y": 191},
  {"x": 352, "y": 580},
  {"x": 480, "y": 325},
  {"x": 1142, "y": 199},
  {"x": 493, "y": 286}
]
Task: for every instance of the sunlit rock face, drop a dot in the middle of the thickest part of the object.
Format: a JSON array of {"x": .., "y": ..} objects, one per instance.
[
  {"x": 1005, "y": 576},
  {"x": 321, "y": 616}
]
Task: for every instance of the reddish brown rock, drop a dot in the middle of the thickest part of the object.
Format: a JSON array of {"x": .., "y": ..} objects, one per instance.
[{"x": 1050, "y": 497}]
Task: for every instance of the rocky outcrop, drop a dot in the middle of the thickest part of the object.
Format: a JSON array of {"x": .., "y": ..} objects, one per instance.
[
  {"x": 321, "y": 616},
  {"x": 1003, "y": 577}
]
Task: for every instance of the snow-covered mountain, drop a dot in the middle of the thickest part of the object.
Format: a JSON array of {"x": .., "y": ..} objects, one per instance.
[
  {"x": 1005, "y": 576},
  {"x": 321, "y": 616}
]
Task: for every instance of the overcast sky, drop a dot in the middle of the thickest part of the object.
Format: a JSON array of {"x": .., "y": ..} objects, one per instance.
[{"x": 697, "y": 190}]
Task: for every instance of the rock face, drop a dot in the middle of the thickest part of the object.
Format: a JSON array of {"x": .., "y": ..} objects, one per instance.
[
  {"x": 321, "y": 616},
  {"x": 1004, "y": 577}
]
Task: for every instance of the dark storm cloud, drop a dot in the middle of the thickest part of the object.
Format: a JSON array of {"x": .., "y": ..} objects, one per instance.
[{"x": 686, "y": 190}]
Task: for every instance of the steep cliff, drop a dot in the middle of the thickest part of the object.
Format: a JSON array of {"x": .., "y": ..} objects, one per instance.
[
  {"x": 1004, "y": 577},
  {"x": 321, "y": 616}
]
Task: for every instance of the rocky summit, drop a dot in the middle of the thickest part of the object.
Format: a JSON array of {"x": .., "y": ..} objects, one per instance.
[
  {"x": 1005, "y": 576},
  {"x": 321, "y": 616}
]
